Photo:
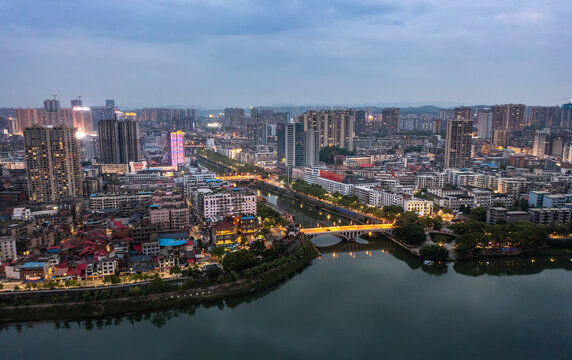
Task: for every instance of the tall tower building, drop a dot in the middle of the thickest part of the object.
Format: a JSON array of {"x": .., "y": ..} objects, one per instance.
[
  {"x": 485, "y": 123},
  {"x": 458, "y": 148},
  {"x": 76, "y": 102},
  {"x": 52, "y": 163},
  {"x": 82, "y": 119},
  {"x": 26, "y": 118},
  {"x": 281, "y": 142},
  {"x": 508, "y": 117},
  {"x": 360, "y": 124},
  {"x": 176, "y": 148},
  {"x": 390, "y": 119},
  {"x": 539, "y": 144},
  {"x": 110, "y": 109},
  {"x": 257, "y": 133},
  {"x": 515, "y": 116},
  {"x": 566, "y": 117},
  {"x": 463, "y": 113},
  {"x": 311, "y": 147},
  {"x": 335, "y": 127},
  {"x": 233, "y": 117},
  {"x": 118, "y": 141},
  {"x": 51, "y": 105},
  {"x": 294, "y": 147}
]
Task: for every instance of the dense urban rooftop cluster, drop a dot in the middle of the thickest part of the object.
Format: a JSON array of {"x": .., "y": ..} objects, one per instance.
[{"x": 87, "y": 193}]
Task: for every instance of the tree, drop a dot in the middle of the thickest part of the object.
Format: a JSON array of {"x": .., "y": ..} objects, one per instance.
[
  {"x": 440, "y": 239},
  {"x": 238, "y": 261},
  {"x": 479, "y": 214},
  {"x": 434, "y": 252},
  {"x": 113, "y": 279},
  {"x": 437, "y": 223},
  {"x": 175, "y": 270},
  {"x": 447, "y": 210},
  {"x": 328, "y": 153},
  {"x": 257, "y": 248},
  {"x": 218, "y": 251},
  {"x": 410, "y": 233},
  {"x": 135, "y": 291},
  {"x": 1, "y": 286}
]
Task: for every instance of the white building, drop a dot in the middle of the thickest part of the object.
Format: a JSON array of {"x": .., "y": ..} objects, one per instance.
[
  {"x": 106, "y": 266},
  {"x": 8, "y": 249},
  {"x": 333, "y": 186},
  {"x": 421, "y": 207},
  {"x": 481, "y": 198},
  {"x": 512, "y": 186},
  {"x": 226, "y": 202},
  {"x": 114, "y": 200}
]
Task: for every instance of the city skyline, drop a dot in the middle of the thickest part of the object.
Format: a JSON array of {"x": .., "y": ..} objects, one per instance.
[{"x": 220, "y": 54}]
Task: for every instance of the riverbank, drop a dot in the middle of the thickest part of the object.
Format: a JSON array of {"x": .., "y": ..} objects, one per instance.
[
  {"x": 69, "y": 309},
  {"x": 317, "y": 203}
]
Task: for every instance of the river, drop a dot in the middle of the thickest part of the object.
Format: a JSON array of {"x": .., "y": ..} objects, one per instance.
[{"x": 375, "y": 302}]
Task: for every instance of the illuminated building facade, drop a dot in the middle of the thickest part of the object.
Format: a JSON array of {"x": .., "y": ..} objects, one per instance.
[
  {"x": 176, "y": 148},
  {"x": 52, "y": 163}
]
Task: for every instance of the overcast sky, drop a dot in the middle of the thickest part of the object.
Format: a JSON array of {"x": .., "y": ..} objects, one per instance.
[{"x": 218, "y": 53}]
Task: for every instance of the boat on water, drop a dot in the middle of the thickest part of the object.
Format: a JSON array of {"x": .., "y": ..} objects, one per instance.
[{"x": 429, "y": 262}]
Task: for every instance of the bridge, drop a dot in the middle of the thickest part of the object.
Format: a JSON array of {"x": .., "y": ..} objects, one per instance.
[{"x": 347, "y": 232}]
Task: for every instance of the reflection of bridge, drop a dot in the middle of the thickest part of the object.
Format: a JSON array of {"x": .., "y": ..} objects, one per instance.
[{"x": 347, "y": 232}]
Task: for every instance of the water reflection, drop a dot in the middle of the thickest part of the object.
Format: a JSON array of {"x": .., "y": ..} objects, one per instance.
[{"x": 307, "y": 215}]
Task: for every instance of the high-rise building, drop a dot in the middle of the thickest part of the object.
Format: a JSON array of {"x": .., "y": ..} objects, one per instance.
[
  {"x": 119, "y": 141},
  {"x": 26, "y": 118},
  {"x": 294, "y": 147},
  {"x": 257, "y": 133},
  {"x": 76, "y": 102},
  {"x": 539, "y": 144},
  {"x": 311, "y": 148},
  {"x": 267, "y": 116},
  {"x": 566, "y": 116},
  {"x": 500, "y": 138},
  {"x": 336, "y": 127},
  {"x": 110, "y": 109},
  {"x": 543, "y": 116},
  {"x": 484, "y": 123},
  {"x": 183, "y": 119},
  {"x": 458, "y": 148},
  {"x": 98, "y": 113},
  {"x": 463, "y": 113},
  {"x": 438, "y": 126},
  {"x": 51, "y": 105},
  {"x": 176, "y": 148},
  {"x": 360, "y": 124},
  {"x": 390, "y": 119},
  {"x": 515, "y": 117},
  {"x": 233, "y": 117},
  {"x": 446, "y": 114},
  {"x": 281, "y": 142},
  {"x": 52, "y": 163},
  {"x": 508, "y": 117},
  {"x": 281, "y": 117},
  {"x": 82, "y": 119}
]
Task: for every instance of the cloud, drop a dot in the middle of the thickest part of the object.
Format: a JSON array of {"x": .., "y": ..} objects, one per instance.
[{"x": 248, "y": 52}]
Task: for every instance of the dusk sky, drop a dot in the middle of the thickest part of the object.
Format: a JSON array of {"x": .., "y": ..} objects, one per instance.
[{"x": 221, "y": 53}]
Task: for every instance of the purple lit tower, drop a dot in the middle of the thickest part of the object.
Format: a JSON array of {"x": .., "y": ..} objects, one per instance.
[{"x": 177, "y": 149}]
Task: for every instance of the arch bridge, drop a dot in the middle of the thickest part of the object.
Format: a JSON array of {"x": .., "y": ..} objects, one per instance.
[{"x": 347, "y": 232}]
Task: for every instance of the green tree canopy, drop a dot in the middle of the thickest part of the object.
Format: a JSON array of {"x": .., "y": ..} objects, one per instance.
[{"x": 238, "y": 261}]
